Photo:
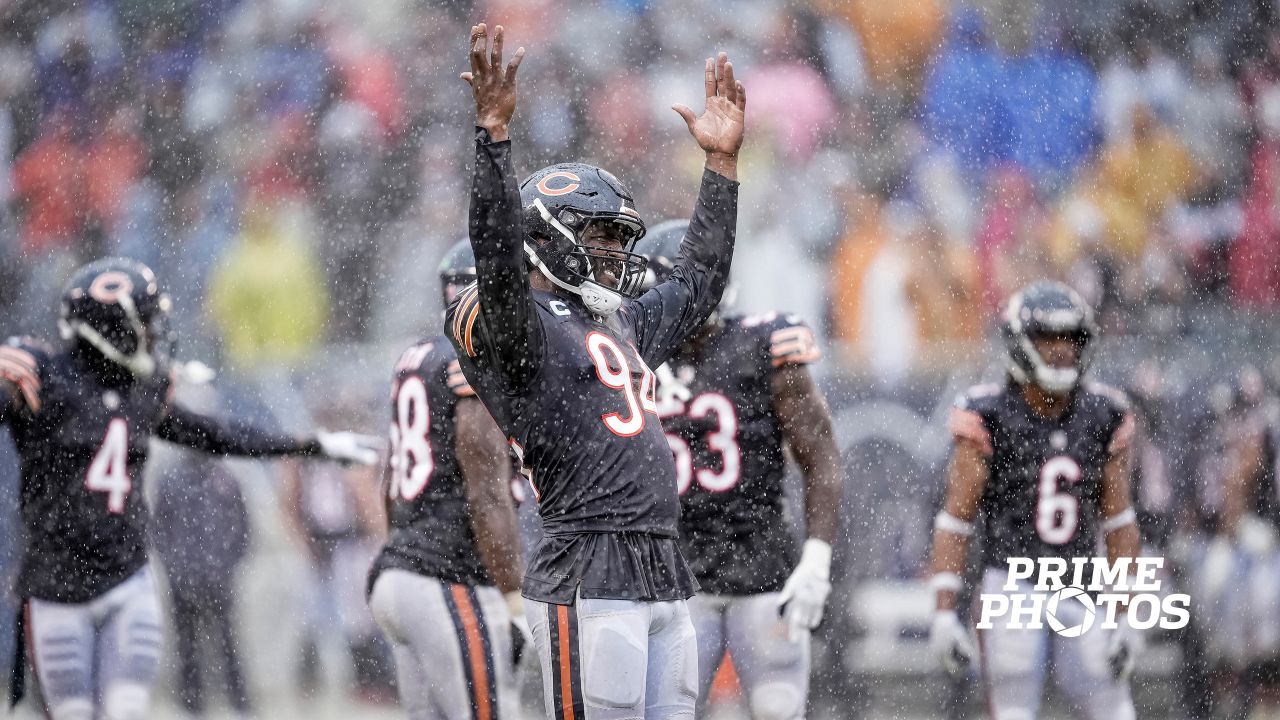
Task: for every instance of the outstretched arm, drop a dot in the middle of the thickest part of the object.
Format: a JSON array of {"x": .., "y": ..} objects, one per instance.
[
  {"x": 806, "y": 427},
  {"x": 236, "y": 437},
  {"x": 486, "y": 469},
  {"x": 496, "y": 321},
  {"x": 664, "y": 317}
]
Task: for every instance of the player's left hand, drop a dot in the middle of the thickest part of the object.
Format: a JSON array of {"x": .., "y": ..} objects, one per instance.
[
  {"x": 719, "y": 128},
  {"x": 1123, "y": 650},
  {"x": 521, "y": 636},
  {"x": 348, "y": 447},
  {"x": 804, "y": 597}
]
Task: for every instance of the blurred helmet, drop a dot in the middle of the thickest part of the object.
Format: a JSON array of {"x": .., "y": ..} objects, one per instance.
[
  {"x": 457, "y": 270},
  {"x": 560, "y": 202},
  {"x": 660, "y": 247},
  {"x": 116, "y": 307},
  {"x": 1047, "y": 309}
]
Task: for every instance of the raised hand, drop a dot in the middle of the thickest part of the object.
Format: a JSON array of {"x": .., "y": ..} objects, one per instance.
[
  {"x": 493, "y": 86},
  {"x": 719, "y": 128}
]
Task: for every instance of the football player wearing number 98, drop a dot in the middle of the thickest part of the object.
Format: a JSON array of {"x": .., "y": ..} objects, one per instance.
[
  {"x": 1044, "y": 458},
  {"x": 81, "y": 418},
  {"x": 446, "y": 587},
  {"x": 730, "y": 400},
  {"x": 558, "y": 343}
]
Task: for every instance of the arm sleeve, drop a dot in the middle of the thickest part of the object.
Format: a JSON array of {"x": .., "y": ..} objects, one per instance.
[
  {"x": 497, "y": 323},
  {"x": 665, "y": 316},
  {"x": 228, "y": 437}
]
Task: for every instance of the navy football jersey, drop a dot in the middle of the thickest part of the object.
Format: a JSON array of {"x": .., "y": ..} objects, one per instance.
[
  {"x": 82, "y": 437},
  {"x": 574, "y": 393},
  {"x": 728, "y": 447},
  {"x": 431, "y": 531},
  {"x": 1044, "y": 494}
]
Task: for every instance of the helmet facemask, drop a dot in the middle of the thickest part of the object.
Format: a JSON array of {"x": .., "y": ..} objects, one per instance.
[
  {"x": 581, "y": 268},
  {"x": 1023, "y": 325}
]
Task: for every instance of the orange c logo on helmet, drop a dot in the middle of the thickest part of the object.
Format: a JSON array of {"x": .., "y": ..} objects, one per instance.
[
  {"x": 109, "y": 286},
  {"x": 546, "y": 189}
]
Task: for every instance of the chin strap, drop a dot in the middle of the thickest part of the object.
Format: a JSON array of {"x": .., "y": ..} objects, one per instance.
[{"x": 140, "y": 362}]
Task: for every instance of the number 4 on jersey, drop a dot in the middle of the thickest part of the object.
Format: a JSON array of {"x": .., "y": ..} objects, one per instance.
[{"x": 109, "y": 471}]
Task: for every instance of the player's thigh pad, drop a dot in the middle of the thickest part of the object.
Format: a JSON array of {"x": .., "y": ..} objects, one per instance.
[
  {"x": 671, "y": 689},
  {"x": 62, "y": 643},
  {"x": 1014, "y": 662},
  {"x": 129, "y": 646},
  {"x": 774, "y": 670},
  {"x": 708, "y": 615},
  {"x": 1080, "y": 670}
]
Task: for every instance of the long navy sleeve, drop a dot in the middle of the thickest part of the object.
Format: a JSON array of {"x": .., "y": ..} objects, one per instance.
[
  {"x": 228, "y": 437},
  {"x": 497, "y": 324},
  {"x": 669, "y": 313}
]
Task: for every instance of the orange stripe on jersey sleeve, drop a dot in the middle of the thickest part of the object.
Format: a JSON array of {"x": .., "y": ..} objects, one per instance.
[
  {"x": 968, "y": 425},
  {"x": 464, "y": 314},
  {"x": 471, "y": 323},
  {"x": 19, "y": 367},
  {"x": 457, "y": 382},
  {"x": 795, "y": 344},
  {"x": 1123, "y": 436}
]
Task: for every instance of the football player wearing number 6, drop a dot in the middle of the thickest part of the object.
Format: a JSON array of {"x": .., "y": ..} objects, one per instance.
[
  {"x": 730, "y": 400},
  {"x": 1044, "y": 458},
  {"x": 446, "y": 587},
  {"x": 81, "y": 418},
  {"x": 558, "y": 343}
]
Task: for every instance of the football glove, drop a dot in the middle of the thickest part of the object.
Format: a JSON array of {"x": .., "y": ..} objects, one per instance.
[
  {"x": 347, "y": 447},
  {"x": 804, "y": 597},
  {"x": 1123, "y": 649},
  {"x": 950, "y": 642}
]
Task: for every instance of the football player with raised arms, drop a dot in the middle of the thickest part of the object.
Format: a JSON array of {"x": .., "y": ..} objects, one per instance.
[
  {"x": 81, "y": 418},
  {"x": 1044, "y": 459},
  {"x": 446, "y": 586},
  {"x": 731, "y": 399},
  {"x": 558, "y": 343}
]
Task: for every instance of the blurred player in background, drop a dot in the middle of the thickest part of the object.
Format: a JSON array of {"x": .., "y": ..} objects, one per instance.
[
  {"x": 82, "y": 418},
  {"x": 729, "y": 400},
  {"x": 1044, "y": 457},
  {"x": 557, "y": 341},
  {"x": 446, "y": 587}
]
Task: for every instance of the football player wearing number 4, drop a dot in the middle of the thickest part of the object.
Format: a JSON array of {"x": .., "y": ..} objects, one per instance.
[
  {"x": 558, "y": 344},
  {"x": 81, "y": 418},
  {"x": 1045, "y": 458},
  {"x": 446, "y": 587},
  {"x": 730, "y": 400}
]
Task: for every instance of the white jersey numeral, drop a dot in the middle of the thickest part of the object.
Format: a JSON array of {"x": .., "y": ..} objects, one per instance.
[
  {"x": 1057, "y": 511},
  {"x": 411, "y": 458},
  {"x": 639, "y": 402},
  {"x": 723, "y": 440},
  {"x": 109, "y": 471}
]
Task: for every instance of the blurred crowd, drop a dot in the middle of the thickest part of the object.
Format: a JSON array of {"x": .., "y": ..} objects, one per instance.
[{"x": 293, "y": 169}]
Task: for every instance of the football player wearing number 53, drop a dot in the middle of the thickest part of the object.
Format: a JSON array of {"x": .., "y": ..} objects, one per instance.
[
  {"x": 1045, "y": 457},
  {"x": 731, "y": 399},
  {"x": 558, "y": 343}
]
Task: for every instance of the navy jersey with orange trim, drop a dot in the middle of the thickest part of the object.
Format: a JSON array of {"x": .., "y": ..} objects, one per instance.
[
  {"x": 82, "y": 438},
  {"x": 1044, "y": 494},
  {"x": 728, "y": 447},
  {"x": 574, "y": 393},
  {"x": 431, "y": 531}
]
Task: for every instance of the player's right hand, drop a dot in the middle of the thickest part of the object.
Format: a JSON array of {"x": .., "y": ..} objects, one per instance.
[
  {"x": 348, "y": 447},
  {"x": 950, "y": 642},
  {"x": 493, "y": 86},
  {"x": 521, "y": 637}
]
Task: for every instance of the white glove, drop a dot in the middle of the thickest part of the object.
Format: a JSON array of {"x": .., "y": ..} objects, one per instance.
[
  {"x": 950, "y": 642},
  {"x": 1255, "y": 536},
  {"x": 347, "y": 447},
  {"x": 804, "y": 597},
  {"x": 1123, "y": 649}
]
